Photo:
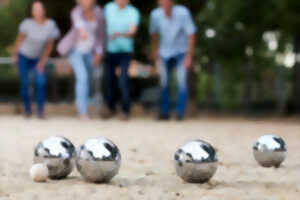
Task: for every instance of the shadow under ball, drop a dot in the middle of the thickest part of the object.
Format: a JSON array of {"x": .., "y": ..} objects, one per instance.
[
  {"x": 58, "y": 154},
  {"x": 98, "y": 160},
  {"x": 196, "y": 162},
  {"x": 270, "y": 151}
]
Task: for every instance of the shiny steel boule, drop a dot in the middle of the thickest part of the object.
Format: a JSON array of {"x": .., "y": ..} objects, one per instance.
[
  {"x": 270, "y": 151},
  {"x": 98, "y": 160},
  {"x": 196, "y": 162},
  {"x": 58, "y": 153}
]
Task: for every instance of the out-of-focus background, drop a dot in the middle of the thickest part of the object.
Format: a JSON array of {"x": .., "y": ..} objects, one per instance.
[{"x": 246, "y": 56}]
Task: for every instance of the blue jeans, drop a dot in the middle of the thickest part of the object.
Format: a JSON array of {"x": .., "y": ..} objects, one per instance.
[
  {"x": 26, "y": 66},
  {"x": 82, "y": 65},
  {"x": 114, "y": 60},
  {"x": 166, "y": 66}
]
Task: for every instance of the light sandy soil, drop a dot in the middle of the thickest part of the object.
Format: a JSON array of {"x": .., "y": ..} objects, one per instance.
[{"x": 147, "y": 171}]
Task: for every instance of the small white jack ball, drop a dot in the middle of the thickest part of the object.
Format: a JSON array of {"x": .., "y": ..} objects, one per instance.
[{"x": 39, "y": 173}]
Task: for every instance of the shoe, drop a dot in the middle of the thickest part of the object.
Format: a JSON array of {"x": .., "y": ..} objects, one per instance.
[
  {"x": 124, "y": 116},
  {"x": 28, "y": 115},
  {"x": 163, "y": 117},
  {"x": 84, "y": 117},
  {"x": 106, "y": 114},
  {"x": 179, "y": 118},
  {"x": 41, "y": 116}
]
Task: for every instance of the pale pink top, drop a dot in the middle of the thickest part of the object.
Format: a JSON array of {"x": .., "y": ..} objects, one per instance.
[{"x": 78, "y": 21}]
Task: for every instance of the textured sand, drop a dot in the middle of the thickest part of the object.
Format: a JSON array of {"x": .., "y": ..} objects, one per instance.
[{"x": 147, "y": 171}]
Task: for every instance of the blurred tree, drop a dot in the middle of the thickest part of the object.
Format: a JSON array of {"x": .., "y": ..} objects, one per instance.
[
  {"x": 10, "y": 16},
  {"x": 231, "y": 37},
  {"x": 289, "y": 20},
  {"x": 11, "y": 13}
]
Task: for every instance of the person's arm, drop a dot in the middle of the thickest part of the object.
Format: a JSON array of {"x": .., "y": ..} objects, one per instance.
[
  {"x": 154, "y": 33},
  {"x": 45, "y": 55},
  {"x": 100, "y": 37},
  {"x": 133, "y": 28},
  {"x": 155, "y": 44},
  {"x": 190, "y": 53},
  {"x": 190, "y": 29},
  {"x": 131, "y": 33},
  {"x": 78, "y": 22},
  {"x": 155, "y": 47},
  {"x": 19, "y": 40}
]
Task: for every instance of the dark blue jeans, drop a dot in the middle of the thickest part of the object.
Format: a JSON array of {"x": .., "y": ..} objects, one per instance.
[
  {"x": 27, "y": 66},
  {"x": 114, "y": 60},
  {"x": 166, "y": 66}
]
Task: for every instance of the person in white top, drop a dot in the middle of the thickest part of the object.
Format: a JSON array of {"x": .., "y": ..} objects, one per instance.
[
  {"x": 84, "y": 46},
  {"x": 32, "y": 48}
]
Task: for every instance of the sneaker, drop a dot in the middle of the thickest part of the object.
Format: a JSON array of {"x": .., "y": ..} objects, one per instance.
[
  {"x": 179, "y": 118},
  {"x": 163, "y": 117},
  {"x": 41, "y": 116},
  {"x": 27, "y": 115},
  {"x": 124, "y": 116},
  {"x": 84, "y": 117},
  {"x": 106, "y": 114}
]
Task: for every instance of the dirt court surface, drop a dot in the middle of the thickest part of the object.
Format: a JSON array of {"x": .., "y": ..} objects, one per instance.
[{"x": 147, "y": 171}]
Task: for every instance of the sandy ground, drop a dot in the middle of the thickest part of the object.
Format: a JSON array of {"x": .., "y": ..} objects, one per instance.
[{"x": 147, "y": 171}]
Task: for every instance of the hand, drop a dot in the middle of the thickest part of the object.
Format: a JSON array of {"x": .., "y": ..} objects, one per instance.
[
  {"x": 156, "y": 70},
  {"x": 188, "y": 61},
  {"x": 155, "y": 55},
  {"x": 97, "y": 60},
  {"x": 15, "y": 59},
  {"x": 115, "y": 35},
  {"x": 82, "y": 34},
  {"x": 118, "y": 72},
  {"x": 41, "y": 66}
]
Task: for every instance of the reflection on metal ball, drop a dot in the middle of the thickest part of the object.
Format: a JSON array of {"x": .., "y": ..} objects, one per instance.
[
  {"x": 270, "y": 151},
  {"x": 58, "y": 153},
  {"x": 196, "y": 162},
  {"x": 98, "y": 160}
]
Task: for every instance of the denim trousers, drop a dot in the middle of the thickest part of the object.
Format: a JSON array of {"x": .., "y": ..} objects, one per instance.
[
  {"x": 112, "y": 81},
  {"x": 166, "y": 65},
  {"x": 26, "y": 66},
  {"x": 82, "y": 64}
]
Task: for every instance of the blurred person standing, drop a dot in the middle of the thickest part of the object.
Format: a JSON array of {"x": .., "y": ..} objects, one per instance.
[
  {"x": 84, "y": 44},
  {"x": 172, "y": 31},
  {"x": 122, "y": 24},
  {"x": 32, "y": 48}
]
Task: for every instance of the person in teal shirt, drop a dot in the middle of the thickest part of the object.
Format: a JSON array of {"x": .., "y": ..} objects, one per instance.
[{"x": 122, "y": 21}]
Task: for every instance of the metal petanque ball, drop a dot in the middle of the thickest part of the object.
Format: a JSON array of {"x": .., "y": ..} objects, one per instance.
[
  {"x": 58, "y": 153},
  {"x": 98, "y": 160},
  {"x": 196, "y": 162},
  {"x": 270, "y": 151}
]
